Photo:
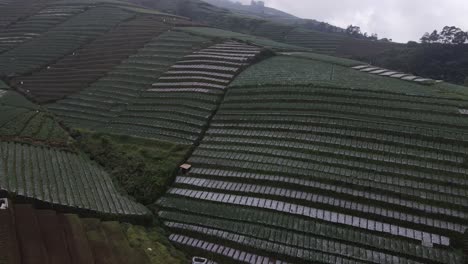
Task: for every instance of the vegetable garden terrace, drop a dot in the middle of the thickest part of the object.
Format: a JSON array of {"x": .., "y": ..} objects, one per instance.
[{"x": 130, "y": 135}]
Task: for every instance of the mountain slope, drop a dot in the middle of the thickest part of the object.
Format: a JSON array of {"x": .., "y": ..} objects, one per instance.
[{"x": 247, "y": 149}]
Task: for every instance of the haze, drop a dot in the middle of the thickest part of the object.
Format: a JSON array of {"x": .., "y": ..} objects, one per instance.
[{"x": 400, "y": 20}]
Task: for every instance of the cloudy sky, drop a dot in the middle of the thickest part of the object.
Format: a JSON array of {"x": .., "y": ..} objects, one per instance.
[{"x": 401, "y": 20}]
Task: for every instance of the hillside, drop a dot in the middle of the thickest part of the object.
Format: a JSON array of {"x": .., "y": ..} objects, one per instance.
[
  {"x": 323, "y": 38},
  {"x": 257, "y": 10},
  {"x": 132, "y": 135}
]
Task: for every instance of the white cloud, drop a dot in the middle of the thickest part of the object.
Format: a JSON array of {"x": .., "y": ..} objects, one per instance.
[{"x": 401, "y": 20}]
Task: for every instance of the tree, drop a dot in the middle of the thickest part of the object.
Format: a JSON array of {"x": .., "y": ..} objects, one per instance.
[
  {"x": 448, "y": 34},
  {"x": 434, "y": 37},
  {"x": 460, "y": 38},
  {"x": 374, "y": 37},
  {"x": 412, "y": 44},
  {"x": 354, "y": 31},
  {"x": 466, "y": 81},
  {"x": 426, "y": 38}
]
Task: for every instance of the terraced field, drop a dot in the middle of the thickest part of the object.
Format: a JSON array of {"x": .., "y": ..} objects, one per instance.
[
  {"x": 63, "y": 179},
  {"x": 326, "y": 171},
  {"x": 21, "y": 120},
  {"x": 37, "y": 24},
  {"x": 296, "y": 157},
  {"x": 61, "y": 40},
  {"x": 108, "y": 97},
  {"x": 13, "y": 10},
  {"x": 179, "y": 105},
  {"x": 274, "y": 31},
  {"x": 223, "y": 34},
  {"x": 316, "y": 41},
  {"x": 306, "y": 68},
  {"x": 87, "y": 64}
]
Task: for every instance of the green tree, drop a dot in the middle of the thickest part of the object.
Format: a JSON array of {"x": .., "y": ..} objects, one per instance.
[{"x": 354, "y": 31}]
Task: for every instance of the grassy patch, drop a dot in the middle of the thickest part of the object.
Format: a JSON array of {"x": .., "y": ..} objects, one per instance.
[
  {"x": 143, "y": 168},
  {"x": 154, "y": 243}
]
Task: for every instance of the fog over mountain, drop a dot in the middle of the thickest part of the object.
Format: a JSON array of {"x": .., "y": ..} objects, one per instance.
[{"x": 400, "y": 20}]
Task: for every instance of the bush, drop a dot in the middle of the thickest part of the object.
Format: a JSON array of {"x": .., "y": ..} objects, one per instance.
[
  {"x": 154, "y": 244},
  {"x": 143, "y": 168}
]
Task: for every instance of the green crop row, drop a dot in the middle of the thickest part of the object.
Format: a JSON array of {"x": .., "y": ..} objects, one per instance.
[
  {"x": 36, "y": 25},
  {"x": 61, "y": 178},
  {"x": 240, "y": 216},
  {"x": 60, "y": 40},
  {"x": 287, "y": 70},
  {"x": 106, "y": 99}
]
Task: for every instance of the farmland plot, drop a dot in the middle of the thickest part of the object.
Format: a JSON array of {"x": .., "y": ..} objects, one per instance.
[
  {"x": 109, "y": 96},
  {"x": 274, "y": 31},
  {"x": 60, "y": 40},
  {"x": 317, "y": 41},
  {"x": 219, "y": 33},
  {"x": 21, "y": 120},
  {"x": 305, "y": 69},
  {"x": 178, "y": 106},
  {"x": 13, "y": 10},
  {"x": 63, "y": 179},
  {"x": 37, "y": 24},
  {"x": 328, "y": 170},
  {"x": 92, "y": 61}
]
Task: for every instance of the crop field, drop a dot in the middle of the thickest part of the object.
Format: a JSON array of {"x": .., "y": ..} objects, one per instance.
[
  {"x": 36, "y": 25},
  {"x": 296, "y": 156},
  {"x": 314, "y": 70},
  {"x": 323, "y": 58},
  {"x": 60, "y": 40},
  {"x": 87, "y": 64},
  {"x": 219, "y": 33},
  {"x": 327, "y": 171},
  {"x": 274, "y": 31},
  {"x": 179, "y": 105},
  {"x": 13, "y": 10},
  {"x": 109, "y": 96},
  {"x": 63, "y": 179},
  {"x": 20, "y": 120},
  {"x": 316, "y": 41}
]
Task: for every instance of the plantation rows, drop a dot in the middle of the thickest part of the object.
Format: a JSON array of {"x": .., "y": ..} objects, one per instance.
[
  {"x": 313, "y": 212},
  {"x": 319, "y": 185},
  {"x": 387, "y": 165},
  {"x": 213, "y": 214},
  {"x": 87, "y": 64},
  {"x": 259, "y": 244},
  {"x": 36, "y": 25},
  {"x": 393, "y": 74},
  {"x": 274, "y": 31},
  {"x": 62, "y": 179},
  {"x": 322, "y": 57},
  {"x": 30, "y": 124},
  {"x": 423, "y": 153},
  {"x": 231, "y": 253},
  {"x": 210, "y": 32},
  {"x": 284, "y": 243},
  {"x": 13, "y": 10},
  {"x": 415, "y": 168},
  {"x": 61, "y": 40},
  {"x": 109, "y": 96},
  {"x": 324, "y": 200},
  {"x": 22, "y": 119},
  {"x": 317, "y": 41},
  {"x": 179, "y": 104},
  {"x": 293, "y": 70}
]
